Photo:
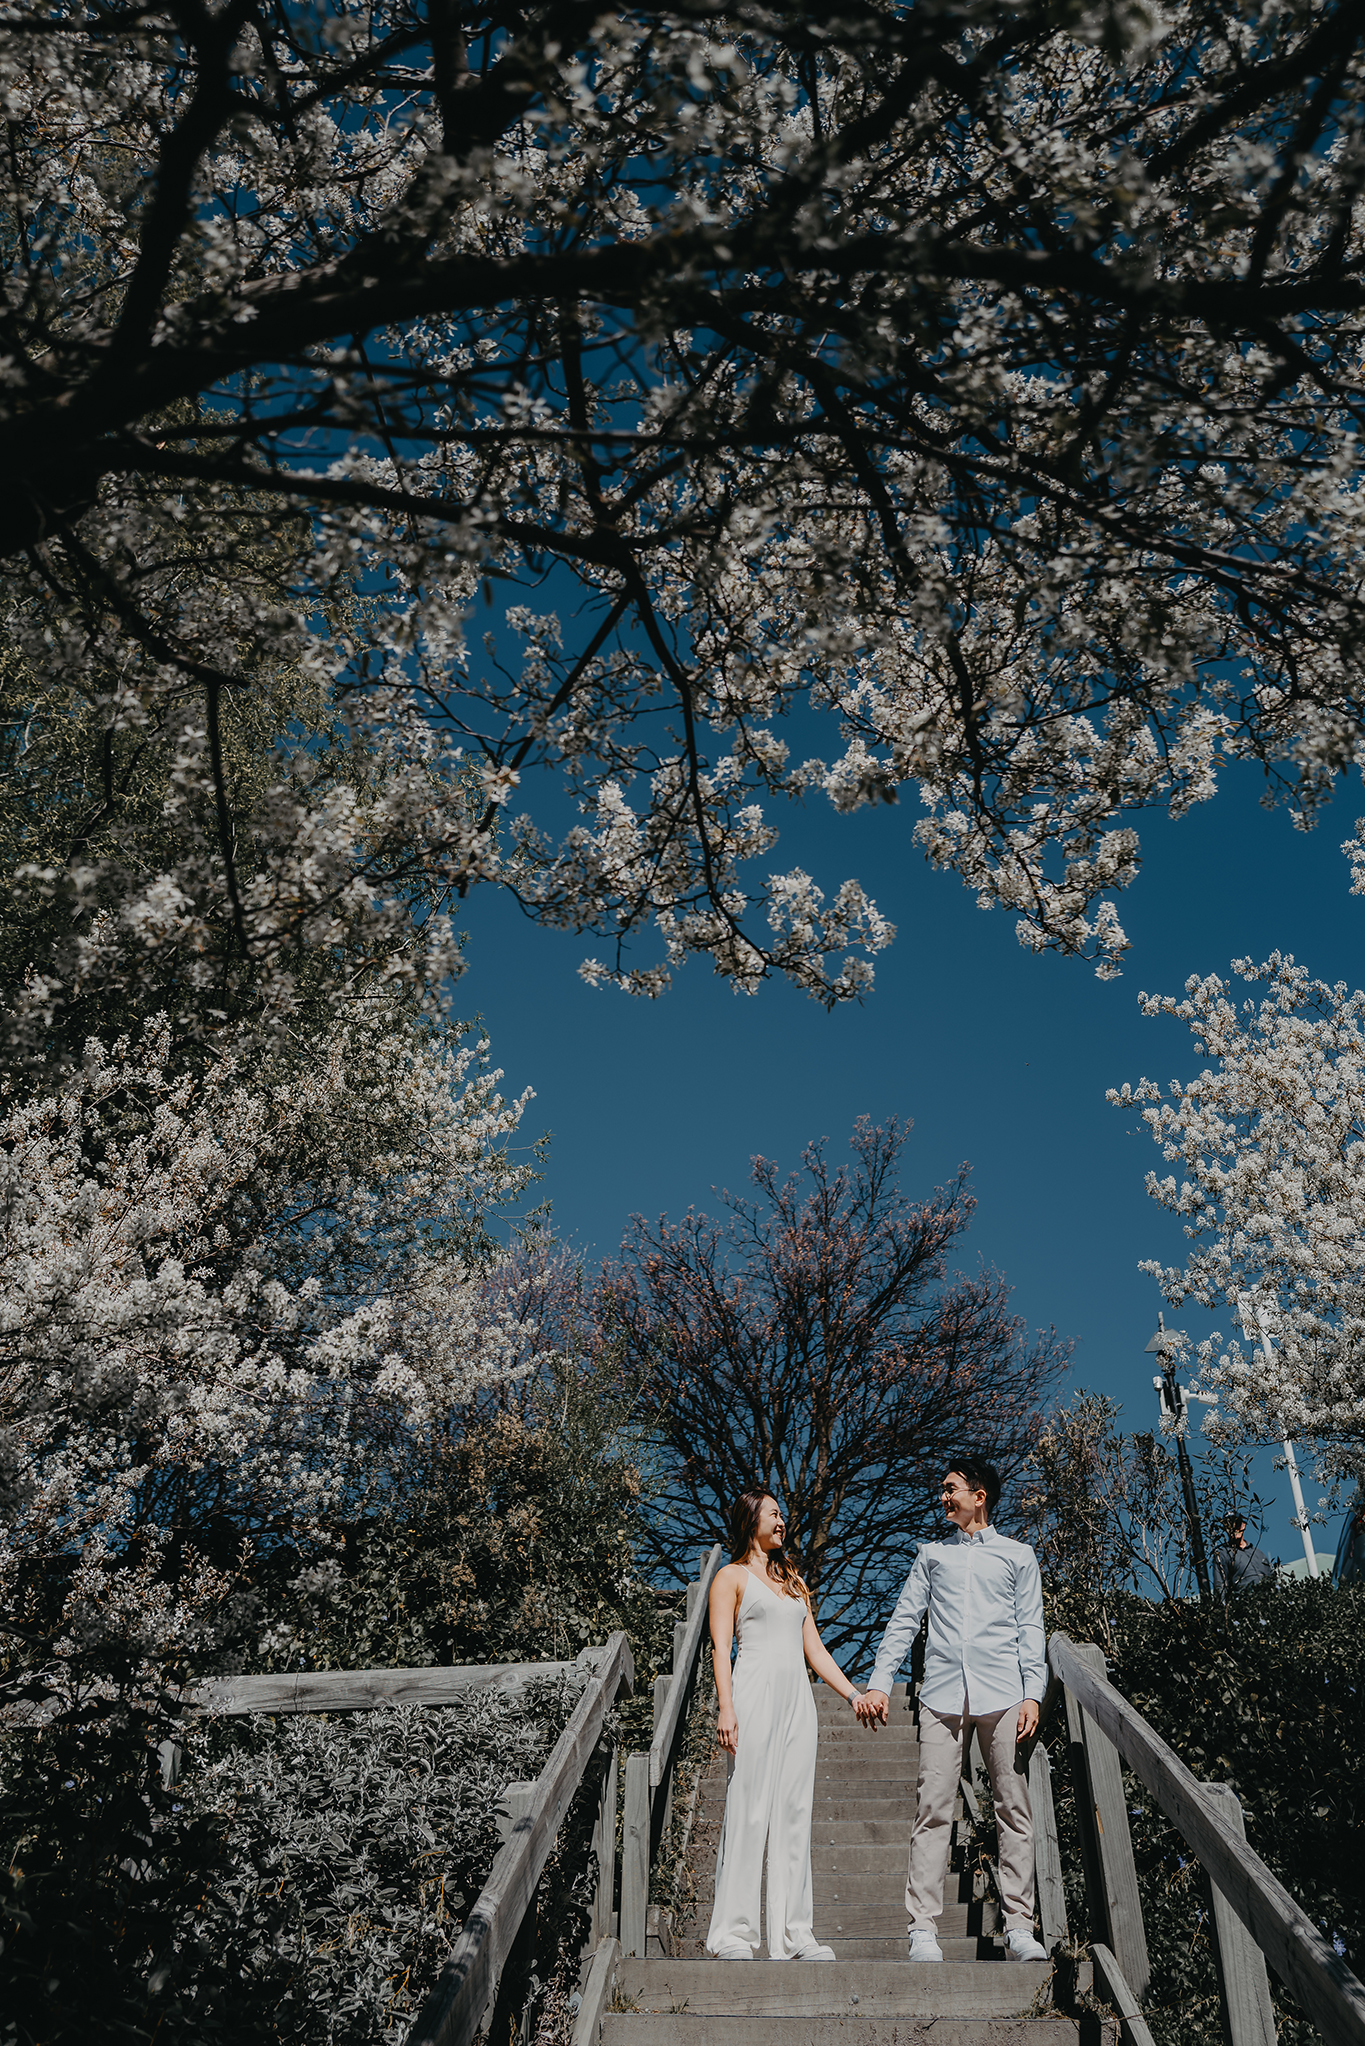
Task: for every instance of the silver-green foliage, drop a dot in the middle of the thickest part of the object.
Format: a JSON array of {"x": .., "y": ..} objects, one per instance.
[{"x": 333, "y": 1862}]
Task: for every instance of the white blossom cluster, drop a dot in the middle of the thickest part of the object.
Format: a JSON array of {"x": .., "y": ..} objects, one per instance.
[
  {"x": 223, "y": 1295},
  {"x": 1269, "y": 1142},
  {"x": 981, "y": 380}
]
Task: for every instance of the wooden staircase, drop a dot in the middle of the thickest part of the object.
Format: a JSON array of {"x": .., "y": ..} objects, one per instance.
[
  {"x": 647, "y": 1982},
  {"x": 870, "y": 1995}
]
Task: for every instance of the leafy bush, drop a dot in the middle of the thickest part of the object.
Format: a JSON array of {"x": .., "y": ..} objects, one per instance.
[
  {"x": 303, "y": 1883},
  {"x": 1265, "y": 1692}
]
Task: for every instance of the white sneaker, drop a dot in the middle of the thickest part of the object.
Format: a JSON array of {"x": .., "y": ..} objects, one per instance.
[
  {"x": 815, "y": 1953},
  {"x": 924, "y": 1946},
  {"x": 738, "y": 1952},
  {"x": 1022, "y": 1946}
]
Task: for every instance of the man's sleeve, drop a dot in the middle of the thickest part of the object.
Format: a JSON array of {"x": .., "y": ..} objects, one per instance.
[
  {"x": 1028, "y": 1618},
  {"x": 903, "y": 1626}
]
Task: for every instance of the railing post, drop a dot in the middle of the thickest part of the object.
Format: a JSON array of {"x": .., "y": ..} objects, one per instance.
[
  {"x": 635, "y": 1856},
  {"x": 1085, "y": 1815},
  {"x": 1112, "y": 1838},
  {"x": 604, "y": 1847},
  {"x": 517, "y": 1802},
  {"x": 1243, "y": 1985},
  {"x": 1047, "y": 1852},
  {"x": 664, "y": 1811}
]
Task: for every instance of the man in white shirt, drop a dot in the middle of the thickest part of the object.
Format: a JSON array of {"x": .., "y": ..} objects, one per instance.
[{"x": 985, "y": 1665}]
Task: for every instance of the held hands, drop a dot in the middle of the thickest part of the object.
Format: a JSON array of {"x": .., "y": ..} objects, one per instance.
[
  {"x": 1028, "y": 1719},
  {"x": 727, "y": 1729},
  {"x": 872, "y": 1708}
]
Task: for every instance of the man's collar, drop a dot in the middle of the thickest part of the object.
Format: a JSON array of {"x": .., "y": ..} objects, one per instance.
[{"x": 982, "y": 1534}]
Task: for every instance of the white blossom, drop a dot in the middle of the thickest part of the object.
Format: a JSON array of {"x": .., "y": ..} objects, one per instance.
[
  {"x": 223, "y": 1293},
  {"x": 954, "y": 402},
  {"x": 1268, "y": 1142}
]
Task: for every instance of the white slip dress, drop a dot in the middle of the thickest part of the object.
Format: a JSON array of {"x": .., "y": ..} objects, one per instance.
[{"x": 770, "y": 1785}]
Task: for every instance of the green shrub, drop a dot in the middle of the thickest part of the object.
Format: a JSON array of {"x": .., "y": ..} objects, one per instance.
[
  {"x": 303, "y": 1882},
  {"x": 1266, "y": 1692}
]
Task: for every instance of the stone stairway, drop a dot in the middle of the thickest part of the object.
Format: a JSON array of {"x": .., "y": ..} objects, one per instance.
[{"x": 870, "y": 1995}]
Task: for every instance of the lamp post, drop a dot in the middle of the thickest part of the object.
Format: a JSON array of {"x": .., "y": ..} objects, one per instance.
[
  {"x": 1174, "y": 1399},
  {"x": 1249, "y": 1300}
]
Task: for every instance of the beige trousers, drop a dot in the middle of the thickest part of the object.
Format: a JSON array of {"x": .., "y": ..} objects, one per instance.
[{"x": 941, "y": 1737}]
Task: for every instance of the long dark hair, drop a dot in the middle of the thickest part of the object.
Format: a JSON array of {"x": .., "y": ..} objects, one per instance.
[{"x": 744, "y": 1526}]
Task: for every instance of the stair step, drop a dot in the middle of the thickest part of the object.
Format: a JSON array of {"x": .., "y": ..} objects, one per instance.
[
  {"x": 779, "y": 1990},
  {"x": 679, "y": 2029},
  {"x": 842, "y": 1897},
  {"x": 823, "y": 1694},
  {"x": 834, "y": 1830},
  {"x": 834, "y": 1922},
  {"x": 855, "y": 1740},
  {"x": 844, "y": 1765},
  {"x": 859, "y": 1857},
  {"x": 892, "y": 1802},
  {"x": 832, "y": 1781},
  {"x": 857, "y": 1892}
]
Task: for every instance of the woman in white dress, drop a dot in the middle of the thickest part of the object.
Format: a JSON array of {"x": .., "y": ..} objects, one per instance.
[{"x": 766, "y": 1723}]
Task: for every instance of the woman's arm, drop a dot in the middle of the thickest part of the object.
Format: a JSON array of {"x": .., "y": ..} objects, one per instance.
[
  {"x": 823, "y": 1663},
  {"x": 723, "y": 1605}
]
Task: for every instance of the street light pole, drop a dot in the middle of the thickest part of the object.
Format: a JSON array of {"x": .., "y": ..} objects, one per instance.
[
  {"x": 1291, "y": 1461},
  {"x": 1173, "y": 1403}
]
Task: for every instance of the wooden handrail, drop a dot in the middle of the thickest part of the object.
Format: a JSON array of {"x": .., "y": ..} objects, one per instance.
[
  {"x": 452, "y": 2013},
  {"x": 684, "y": 1662},
  {"x": 364, "y": 1690},
  {"x": 1317, "y": 1976},
  {"x": 326, "y": 1690}
]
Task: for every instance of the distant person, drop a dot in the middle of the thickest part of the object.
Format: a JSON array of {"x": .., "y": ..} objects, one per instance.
[
  {"x": 766, "y": 1723},
  {"x": 984, "y": 1667},
  {"x": 1349, "y": 1567},
  {"x": 1237, "y": 1565}
]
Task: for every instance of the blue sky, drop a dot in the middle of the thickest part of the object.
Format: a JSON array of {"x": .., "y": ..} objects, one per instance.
[{"x": 999, "y": 1057}]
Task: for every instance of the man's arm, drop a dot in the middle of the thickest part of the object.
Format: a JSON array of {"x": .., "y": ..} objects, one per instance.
[
  {"x": 1028, "y": 1620},
  {"x": 901, "y": 1629}
]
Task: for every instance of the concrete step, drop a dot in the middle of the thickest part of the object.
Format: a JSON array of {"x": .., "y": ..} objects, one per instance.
[
  {"x": 781, "y": 1990},
  {"x": 680, "y": 2029}
]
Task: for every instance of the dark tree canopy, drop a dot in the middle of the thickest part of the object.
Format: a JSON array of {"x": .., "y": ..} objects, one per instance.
[{"x": 816, "y": 1342}]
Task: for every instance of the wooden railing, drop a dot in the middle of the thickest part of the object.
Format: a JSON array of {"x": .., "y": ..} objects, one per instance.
[
  {"x": 467, "y": 1987},
  {"x": 1254, "y": 1919},
  {"x": 465, "y": 1996},
  {"x": 326, "y": 1690},
  {"x": 649, "y": 1776}
]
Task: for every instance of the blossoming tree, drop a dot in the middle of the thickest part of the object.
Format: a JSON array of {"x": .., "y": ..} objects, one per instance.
[
  {"x": 1270, "y": 1142},
  {"x": 983, "y": 375},
  {"x": 223, "y": 1293}
]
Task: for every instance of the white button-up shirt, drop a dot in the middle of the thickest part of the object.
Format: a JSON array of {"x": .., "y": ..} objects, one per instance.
[{"x": 984, "y": 1598}]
